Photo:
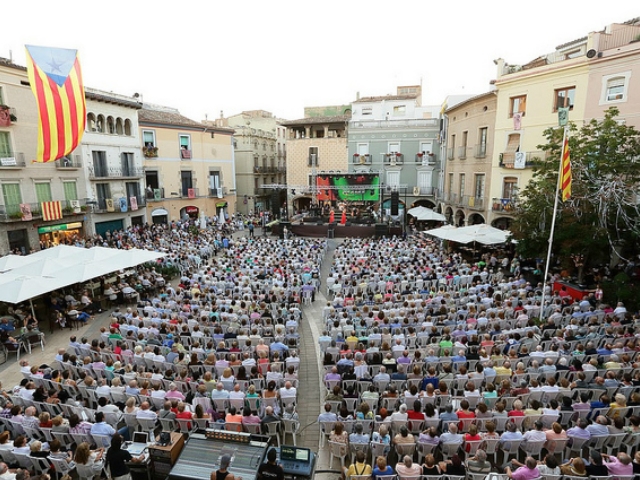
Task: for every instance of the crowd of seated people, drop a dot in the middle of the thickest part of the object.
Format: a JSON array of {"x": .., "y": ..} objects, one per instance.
[
  {"x": 433, "y": 359},
  {"x": 220, "y": 350}
]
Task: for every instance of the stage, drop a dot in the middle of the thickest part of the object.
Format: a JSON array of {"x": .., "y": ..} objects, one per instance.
[{"x": 342, "y": 231}]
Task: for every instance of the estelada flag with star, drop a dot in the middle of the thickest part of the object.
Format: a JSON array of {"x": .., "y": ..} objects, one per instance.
[{"x": 56, "y": 82}]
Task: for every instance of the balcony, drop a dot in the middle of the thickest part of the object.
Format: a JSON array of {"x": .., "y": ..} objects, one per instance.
[
  {"x": 362, "y": 159},
  {"x": 7, "y": 116},
  {"x": 404, "y": 123},
  {"x": 503, "y": 205},
  {"x": 218, "y": 192},
  {"x": 282, "y": 169},
  {"x": 425, "y": 159},
  {"x": 70, "y": 162},
  {"x": 462, "y": 152},
  {"x": 476, "y": 203},
  {"x": 11, "y": 160},
  {"x": 150, "y": 151},
  {"x": 393, "y": 159},
  {"x": 185, "y": 154},
  {"x": 155, "y": 194},
  {"x": 10, "y": 213},
  {"x": 110, "y": 205},
  {"x": 424, "y": 191},
  {"x": 480, "y": 150},
  {"x": 101, "y": 173},
  {"x": 189, "y": 193},
  {"x": 521, "y": 160},
  {"x": 450, "y": 153}
]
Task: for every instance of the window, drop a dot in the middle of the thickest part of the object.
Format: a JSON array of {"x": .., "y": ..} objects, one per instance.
[
  {"x": 185, "y": 147},
  {"x": 149, "y": 138},
  {"x": 615, "y": 89},
  {"x": 186, "y": 180},
  {"x": 425, "y": 180},
  {"x": 11, "y": 194},
  {"x": 509, "y": 187},
  {"x": 111, "y": 125},
  {"x": 70, "y": 190},
  {"x": 393, "y": 179},
  {"x": 426, "y": 147},
  {"x": 394, "y": 147},
  {"x": 399, "y": 110},
  {"x": 564, "y": 98},
  {"x": 103, "y": 192},
  {"x": 43, "y": 192},
  {"x": 482, "y": 136},
  {"x": 5, "y": 145},
  {"x": 462, "y": 182},
  {"x": 133, "y": 190},
  {"x": 478, "y": 189},
  {"x": 1, "y": 97},
  {"x": 128, "y": 169},
  {"x": 367, "y": 111},
  {"x": 451, "y": 183},
  {"x": 313, "y": 157},
  {"x": 363, "y": 149},
  {"x": 100, "y": 163},
  {"x": 215, "y": 187},
  {"x": 518, "y": 105}
]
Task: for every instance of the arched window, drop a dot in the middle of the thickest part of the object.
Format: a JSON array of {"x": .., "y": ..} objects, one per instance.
[
  {"x": 119, "y": 127},
  {"x": 127, "y": 127},
  {"x": 111, "y": 125},
  {"x": 100, "y": 124},
  {"x": 91, "y": 122}
]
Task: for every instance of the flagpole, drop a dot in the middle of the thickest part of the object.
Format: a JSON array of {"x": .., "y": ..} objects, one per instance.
[{"x": 553, "y": 223}]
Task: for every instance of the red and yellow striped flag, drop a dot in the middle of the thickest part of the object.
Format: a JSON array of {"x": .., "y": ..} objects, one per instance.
[
  {"x": 56, "y": 82},
  {"x": 565, "y": 170},
  {"x": 51, "y": 210}
]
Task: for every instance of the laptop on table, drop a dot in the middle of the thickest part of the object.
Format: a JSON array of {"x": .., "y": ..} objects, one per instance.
[{"x": 139, "y": 443}]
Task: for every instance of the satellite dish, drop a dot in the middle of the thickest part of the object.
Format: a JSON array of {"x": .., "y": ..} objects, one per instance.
[{"x": 591, "y": 53}]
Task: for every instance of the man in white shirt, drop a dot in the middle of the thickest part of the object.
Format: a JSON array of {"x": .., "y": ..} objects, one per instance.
[
  {"x": 288, "y": 391},
  {"x": 145, "y": 412}
]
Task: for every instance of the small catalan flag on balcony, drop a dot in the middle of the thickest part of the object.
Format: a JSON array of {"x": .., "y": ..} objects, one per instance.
[
  {"x": 51, "y": 210},
  {"x": 56, "y": 82}
]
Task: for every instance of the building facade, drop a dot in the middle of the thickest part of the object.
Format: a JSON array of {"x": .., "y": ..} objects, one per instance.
[
  {"x": 260, "y": 157},
  {"x": 189, "y": 167},
  {"x": 25, "y": 185},
  {"x": 614, "y": 72},
  {"x": 467, "y": 176},
  {"x": 528, "y": 98},
  {"x": 397, "y": 137},
  {"x": 315, "y": 144},
  {"x": 111, "y": 161}
]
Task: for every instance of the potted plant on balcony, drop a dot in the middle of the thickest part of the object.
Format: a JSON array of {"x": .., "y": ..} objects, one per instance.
[{"x": 150, "y": 151}]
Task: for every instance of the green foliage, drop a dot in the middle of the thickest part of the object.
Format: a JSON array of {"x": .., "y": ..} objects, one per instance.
[
  {"x": 167, "y": 271},
  {"x": 602, "y": 214},
  {"x": 622, "y": 289}
]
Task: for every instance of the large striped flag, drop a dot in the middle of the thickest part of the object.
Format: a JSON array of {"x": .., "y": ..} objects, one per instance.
[
  {"x": 56, "y": 82},
  {"x": 565, "y": 170}
]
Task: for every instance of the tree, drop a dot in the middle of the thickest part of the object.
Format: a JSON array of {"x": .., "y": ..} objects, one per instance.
[{"x": 601, "y": 220}]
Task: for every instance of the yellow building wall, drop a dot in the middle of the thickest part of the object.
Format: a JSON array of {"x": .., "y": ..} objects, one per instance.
[
  {"x": 207, "y": 154},
  {"x": 539, "y": 85}
]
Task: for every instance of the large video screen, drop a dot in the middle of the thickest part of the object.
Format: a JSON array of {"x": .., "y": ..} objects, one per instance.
[{"x": 358, "y": 187}]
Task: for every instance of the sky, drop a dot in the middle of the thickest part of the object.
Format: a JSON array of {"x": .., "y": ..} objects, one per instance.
[{"x": 204, "y": 57}]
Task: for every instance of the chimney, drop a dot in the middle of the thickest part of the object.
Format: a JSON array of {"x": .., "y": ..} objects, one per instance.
[
  {"x": 221, "y": 114},
  {"x": 357, "y": 95}
]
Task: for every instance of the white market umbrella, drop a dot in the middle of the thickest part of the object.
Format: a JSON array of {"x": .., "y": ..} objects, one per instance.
[
  {"x": 485, "y": 234},
  {"x": 17, "y": 288},
  {"x": 11, "y": 261},
  {"x": 424, "y": 213}
]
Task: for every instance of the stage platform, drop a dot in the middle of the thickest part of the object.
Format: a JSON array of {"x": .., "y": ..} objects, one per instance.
[{"x": 341, "y": 231}]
